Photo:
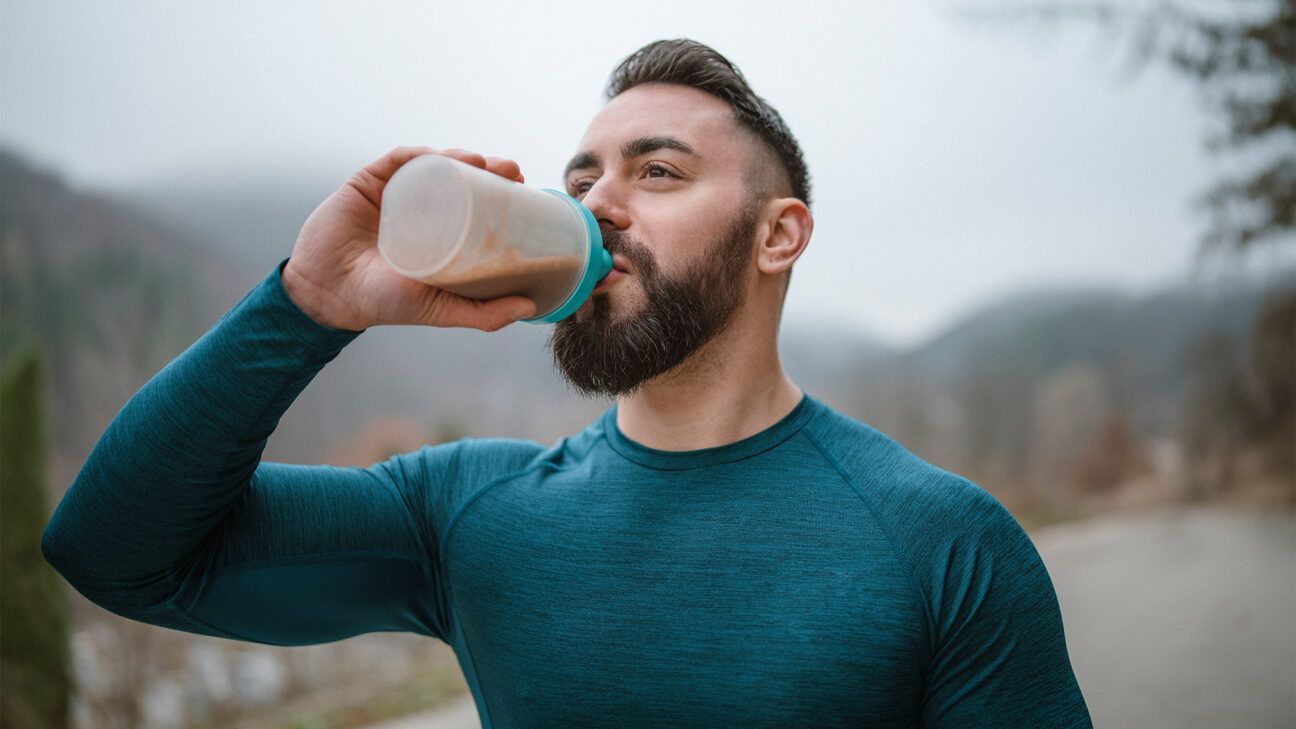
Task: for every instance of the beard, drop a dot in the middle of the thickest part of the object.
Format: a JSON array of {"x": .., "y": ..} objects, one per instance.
[{"x": 600, "y": 356}]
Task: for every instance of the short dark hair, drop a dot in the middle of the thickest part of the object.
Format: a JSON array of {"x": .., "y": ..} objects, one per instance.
[{"x": 689, "y": 63}]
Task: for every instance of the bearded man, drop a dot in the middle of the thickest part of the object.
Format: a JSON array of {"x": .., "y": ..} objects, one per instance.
[{"x": 718, "y": 548}]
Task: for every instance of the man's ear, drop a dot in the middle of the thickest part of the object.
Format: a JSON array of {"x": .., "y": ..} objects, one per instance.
[{"x": 786, "y": 232}]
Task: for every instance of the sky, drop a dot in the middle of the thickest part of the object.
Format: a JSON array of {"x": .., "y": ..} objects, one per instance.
[{"x": 953, "y": 163}]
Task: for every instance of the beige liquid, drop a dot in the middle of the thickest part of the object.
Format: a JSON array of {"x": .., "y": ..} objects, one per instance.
[{"x": 547, "y": 281}]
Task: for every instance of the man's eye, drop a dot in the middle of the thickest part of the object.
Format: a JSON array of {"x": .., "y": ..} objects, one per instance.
[
  {"x": 580, "y": 188},
  {"x": 652, "y": 167}
]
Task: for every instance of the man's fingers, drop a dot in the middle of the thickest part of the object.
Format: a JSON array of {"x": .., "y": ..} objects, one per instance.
[
  {"x": 371, "y": 180},
  {"x": 373, "y": 177},
  {"x": 506, "y": 168},
  {"x": 384, "y": 167},
  {"x": 499, "y": 313},
  {"x": 452, "y": 310},
  {"x": 463, "y": 155}
]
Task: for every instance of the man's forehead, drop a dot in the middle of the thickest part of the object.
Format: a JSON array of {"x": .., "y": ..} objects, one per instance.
[{"x": 694, "y": 117}]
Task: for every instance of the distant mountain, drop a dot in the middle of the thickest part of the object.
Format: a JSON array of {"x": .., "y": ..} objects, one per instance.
[
  {"x": 112, "y": 293},
  {"x": 1009, "y": 319},
  {"x": 114, "y": 286},
  {"x": 1141, "y": 343},
  {"x": 108, "y": 294},
  {"x": 831, "y": 361},
  {"x": 254, "y": 220}
]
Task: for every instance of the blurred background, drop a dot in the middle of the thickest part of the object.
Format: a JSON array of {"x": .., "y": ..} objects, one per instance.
[{"x": 1054, "y": 252}]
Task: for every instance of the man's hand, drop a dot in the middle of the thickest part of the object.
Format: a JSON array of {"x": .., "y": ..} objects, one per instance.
[{"x": 338, "y": 278}]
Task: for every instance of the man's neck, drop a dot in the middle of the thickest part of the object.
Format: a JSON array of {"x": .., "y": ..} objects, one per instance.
[{"x": 732, "y": 388}]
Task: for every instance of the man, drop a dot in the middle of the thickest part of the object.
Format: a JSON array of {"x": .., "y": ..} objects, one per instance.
[{"x": 717, "y": 549}]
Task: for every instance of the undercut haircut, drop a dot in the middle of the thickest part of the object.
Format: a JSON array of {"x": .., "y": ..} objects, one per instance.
[{"x": 689, "y": 63}]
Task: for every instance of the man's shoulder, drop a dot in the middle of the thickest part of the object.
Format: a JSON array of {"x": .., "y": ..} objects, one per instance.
[
  {"x": 476, "y": 462},
  {"x": 906, "y": 491},
  {"x": 472, "y": 460},
  {"x": 942, "y": 523}
]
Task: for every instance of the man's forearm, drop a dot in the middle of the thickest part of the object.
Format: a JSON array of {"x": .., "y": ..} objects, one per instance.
[{"x": 175, "y": 460}]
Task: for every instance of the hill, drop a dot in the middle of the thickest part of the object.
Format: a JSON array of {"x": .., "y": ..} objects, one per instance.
[{"x": 114, "y": 285}]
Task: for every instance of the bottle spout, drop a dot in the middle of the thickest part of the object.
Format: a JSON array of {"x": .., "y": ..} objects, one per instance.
[{"x": 605, "y": 263}]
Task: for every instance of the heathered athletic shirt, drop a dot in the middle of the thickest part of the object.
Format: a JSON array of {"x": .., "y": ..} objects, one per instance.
[{"x": 815, "y": 574}]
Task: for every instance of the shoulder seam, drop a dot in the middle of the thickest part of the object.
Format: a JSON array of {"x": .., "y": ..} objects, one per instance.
[
  {"x": 454, "y": 518},
  {"x": 919, "y": 596}
]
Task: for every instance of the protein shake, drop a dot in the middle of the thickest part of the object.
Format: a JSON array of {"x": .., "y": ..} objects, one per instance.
[{"x": 463, "y": 229}]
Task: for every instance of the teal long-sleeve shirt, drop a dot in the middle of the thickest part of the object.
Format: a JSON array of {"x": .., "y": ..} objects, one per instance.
[{"x": 815, "y": 574}]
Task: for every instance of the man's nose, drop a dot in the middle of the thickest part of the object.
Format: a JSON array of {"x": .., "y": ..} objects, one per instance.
[{"x": 607, "y": 202}]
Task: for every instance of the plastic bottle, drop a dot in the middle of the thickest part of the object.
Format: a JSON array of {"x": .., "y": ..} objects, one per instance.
[{"x": 463, "y": 229}]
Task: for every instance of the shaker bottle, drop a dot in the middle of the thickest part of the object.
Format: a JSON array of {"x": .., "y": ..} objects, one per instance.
[{"x": 463, "y": 229}]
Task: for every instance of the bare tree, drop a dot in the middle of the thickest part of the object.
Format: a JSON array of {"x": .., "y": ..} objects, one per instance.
[{"x": 1241, "y": 56}]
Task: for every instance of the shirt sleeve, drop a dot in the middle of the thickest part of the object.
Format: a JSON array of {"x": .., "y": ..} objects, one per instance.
[
  {"x": 175, "y": 521},
  {"x": 1000, "y": 657}
]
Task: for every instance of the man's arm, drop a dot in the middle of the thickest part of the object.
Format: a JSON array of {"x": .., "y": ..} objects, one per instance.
[
  {"x": 1000, "y": 657},
  {"x": 174, "y": 520}
]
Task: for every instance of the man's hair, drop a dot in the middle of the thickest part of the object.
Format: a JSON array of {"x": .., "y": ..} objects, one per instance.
[{"x": 689, "y": 63}]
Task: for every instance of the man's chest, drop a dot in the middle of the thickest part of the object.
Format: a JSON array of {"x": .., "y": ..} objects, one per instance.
[{"x": 686, "y": 611}]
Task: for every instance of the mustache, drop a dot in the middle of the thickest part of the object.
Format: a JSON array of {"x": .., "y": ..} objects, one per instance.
[{"x": 640, "y": 256}]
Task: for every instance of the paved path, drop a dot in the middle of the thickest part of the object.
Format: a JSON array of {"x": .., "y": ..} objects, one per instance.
[{"x": 1182, "y": 618}]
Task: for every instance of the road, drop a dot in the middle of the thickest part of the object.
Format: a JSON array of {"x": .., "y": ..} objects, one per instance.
[{"x": 1180, "y": 618}]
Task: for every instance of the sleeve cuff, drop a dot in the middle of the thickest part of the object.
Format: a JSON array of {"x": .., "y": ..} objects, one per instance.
[{"x": 280, "y": 307}]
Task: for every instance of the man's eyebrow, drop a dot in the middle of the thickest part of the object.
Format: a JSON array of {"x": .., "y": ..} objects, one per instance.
[
  {"x": 630, "y": 150},
  {"x": 644, "y": 145},
  {"x": 580, "y": 162}
]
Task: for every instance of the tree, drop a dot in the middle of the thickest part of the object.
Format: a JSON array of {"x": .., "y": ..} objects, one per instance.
[
  {"x": 1272, "y": 380},
  {"x": 1112, "y": 456},
  {"x": 1243, "y": 403},
  {"x": 33, "y": 608},
  {"x": 1241, "y": 55}
]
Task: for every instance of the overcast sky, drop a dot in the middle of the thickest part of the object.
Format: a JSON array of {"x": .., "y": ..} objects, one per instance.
[{"x": 951, "y": 163}]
